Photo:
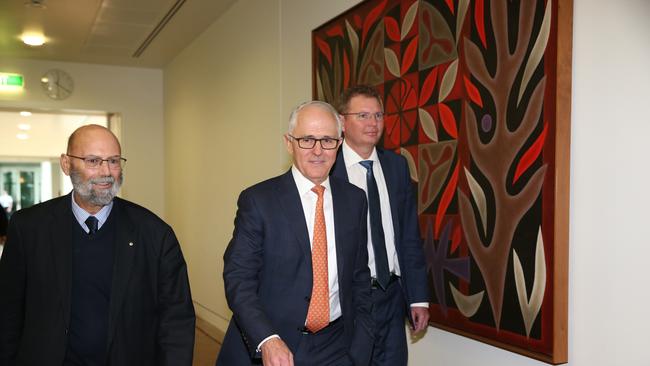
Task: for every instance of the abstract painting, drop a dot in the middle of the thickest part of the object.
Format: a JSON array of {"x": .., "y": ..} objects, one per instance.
[{"x": 477, "y": 99}]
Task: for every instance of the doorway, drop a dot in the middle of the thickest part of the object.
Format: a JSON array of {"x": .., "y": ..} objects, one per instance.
[{"x": 32, "y": 141}]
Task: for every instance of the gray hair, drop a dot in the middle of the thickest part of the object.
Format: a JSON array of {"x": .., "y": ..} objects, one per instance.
[{"x": 293, "y": 118}]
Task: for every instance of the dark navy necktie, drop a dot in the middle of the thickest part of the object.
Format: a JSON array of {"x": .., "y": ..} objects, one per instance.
[
  {"x": 376, "y": 227},
  {"x": 92, "y": 224}
]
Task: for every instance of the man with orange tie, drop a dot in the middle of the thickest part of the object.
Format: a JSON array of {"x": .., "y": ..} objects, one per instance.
[{"x": 295, "y": 270}]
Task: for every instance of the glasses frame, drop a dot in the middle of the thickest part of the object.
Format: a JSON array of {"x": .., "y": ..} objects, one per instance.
[
  {"x": 378, "y": 116},
  {"x": 101, "y": 161},
  {"x": 300, "y": 139}
]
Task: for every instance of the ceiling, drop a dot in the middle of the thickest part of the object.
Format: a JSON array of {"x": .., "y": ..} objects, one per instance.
[{"x": 139, "y": 33}]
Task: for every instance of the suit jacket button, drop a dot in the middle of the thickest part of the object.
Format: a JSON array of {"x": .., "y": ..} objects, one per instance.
[
  {"x": 66, "y": 331},
  {"x": 308, "y": 298}
]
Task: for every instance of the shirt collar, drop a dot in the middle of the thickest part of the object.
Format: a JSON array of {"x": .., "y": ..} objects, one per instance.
[
  {"x": 303, "y": 184},
  {"x": 81, "y": 215},
  {"x": 351, "y": 157}
]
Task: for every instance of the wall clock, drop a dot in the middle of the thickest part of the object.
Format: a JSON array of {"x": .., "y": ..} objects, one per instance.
[{"x": 57, "y": 84}]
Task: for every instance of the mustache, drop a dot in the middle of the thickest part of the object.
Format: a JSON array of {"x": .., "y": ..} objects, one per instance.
[{"x": 101, "y": 180}]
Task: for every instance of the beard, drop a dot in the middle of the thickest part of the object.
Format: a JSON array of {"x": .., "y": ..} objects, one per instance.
[{"x": 96, "y": 197}]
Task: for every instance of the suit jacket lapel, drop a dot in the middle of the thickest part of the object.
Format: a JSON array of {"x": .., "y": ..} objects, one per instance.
[
  {"x": 341, "y": 220},
  {"x": 287, "y": 193},
  {"x": 339, "y": 170},
  {"x": 126, "y": 245},
  {"x": 60, "y": 234}
]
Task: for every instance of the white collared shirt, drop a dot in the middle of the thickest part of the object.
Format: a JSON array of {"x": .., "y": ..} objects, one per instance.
[
  {"x": 357, "y": 176},
  {"x": 308, "y": 199}
]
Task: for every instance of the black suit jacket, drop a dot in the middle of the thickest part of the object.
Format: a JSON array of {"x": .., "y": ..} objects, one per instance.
[
  {"x": 151, "y": 316},
  {"x": 268, "y": 272},
  {"x": 408, "y": 243}
]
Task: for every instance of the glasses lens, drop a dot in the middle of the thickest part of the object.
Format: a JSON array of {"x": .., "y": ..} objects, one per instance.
[
  {"x": 329, "y": 143},
  {"x": 115, "y": 163},
  {"x": 306, "y": 142},
  {"x": 364, "y": 116},
  {"x": 92, "y": 162}
]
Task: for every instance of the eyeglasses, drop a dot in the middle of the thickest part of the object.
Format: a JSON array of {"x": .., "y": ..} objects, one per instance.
[
  {"x": 365, "y": 116},
  {"x": 92, "y": 162},
  {"x": 327, "y": 143}
]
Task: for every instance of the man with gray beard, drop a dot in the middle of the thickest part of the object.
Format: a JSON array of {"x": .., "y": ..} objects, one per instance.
[{"x": 92, "y": 279}]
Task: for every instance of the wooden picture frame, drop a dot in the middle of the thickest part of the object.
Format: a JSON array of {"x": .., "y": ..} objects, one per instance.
[{"x": 477, "y": 96}]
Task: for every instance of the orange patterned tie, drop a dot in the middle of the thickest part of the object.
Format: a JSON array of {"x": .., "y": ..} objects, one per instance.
[{"x": 318, "y": 315}]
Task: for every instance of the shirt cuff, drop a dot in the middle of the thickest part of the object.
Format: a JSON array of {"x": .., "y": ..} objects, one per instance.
[
  {"x": 420, "y": 305},
  {"x": 259, "y": 346}
]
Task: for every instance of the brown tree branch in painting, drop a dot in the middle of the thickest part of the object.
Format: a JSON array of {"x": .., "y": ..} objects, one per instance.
[{"x": 495, "y": 157}]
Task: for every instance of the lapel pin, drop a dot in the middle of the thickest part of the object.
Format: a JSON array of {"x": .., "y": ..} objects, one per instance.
[{"x": 131, "y": 244}]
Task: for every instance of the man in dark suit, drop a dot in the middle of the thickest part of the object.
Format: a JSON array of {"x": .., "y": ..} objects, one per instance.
[
  {"x": 295, "y": 271},
  {"x": 396, "y": 259},
  {"x": 91, "y": 279}
]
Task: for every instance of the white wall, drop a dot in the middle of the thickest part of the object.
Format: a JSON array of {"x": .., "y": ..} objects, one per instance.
[
  {"x": 135, "y": 93},
  {"x": 244, "y": 89},
  {"x": 223, "y": 133}
]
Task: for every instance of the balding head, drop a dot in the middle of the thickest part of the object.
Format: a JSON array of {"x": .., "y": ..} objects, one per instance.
[{"x": 85, "y": 134}]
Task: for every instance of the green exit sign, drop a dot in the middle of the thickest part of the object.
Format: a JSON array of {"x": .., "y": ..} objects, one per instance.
[{"x": 11, "y": 80}]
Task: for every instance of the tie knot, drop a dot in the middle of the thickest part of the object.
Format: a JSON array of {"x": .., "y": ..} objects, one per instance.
[
  {"x": 366, "y": 164},
  {"x": 318, "y": 189},
  {"x": 92, "y": 222}
]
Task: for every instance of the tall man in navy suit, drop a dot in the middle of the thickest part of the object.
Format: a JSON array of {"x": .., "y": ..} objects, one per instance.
[
  {"x": 276, "y": 281},
  {"x": 396, "y": 259},
  {"x": 91, "y": 279}
]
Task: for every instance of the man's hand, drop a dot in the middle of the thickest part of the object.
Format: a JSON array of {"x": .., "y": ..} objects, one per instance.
[
  {"x": 420, "y": 318},
  {"x": 276, "y": 353}
]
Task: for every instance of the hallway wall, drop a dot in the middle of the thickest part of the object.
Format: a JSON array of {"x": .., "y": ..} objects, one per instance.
[
  {"x": 227, "y": 97},
  {"x": 223, "y": 132}
]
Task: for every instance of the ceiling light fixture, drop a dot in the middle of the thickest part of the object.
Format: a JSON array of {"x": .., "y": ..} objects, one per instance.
[
  {"x": 22, "y": 136},
  {"x": 24, "y": 126},
  {"x": 33, "y": 39},
  {"x": 36, "y": 4},
  {"x": 25, "y": 113}
]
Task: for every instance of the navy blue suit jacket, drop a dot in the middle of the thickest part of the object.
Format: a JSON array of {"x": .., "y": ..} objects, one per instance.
[
  {"x": 408, "y": 243},
  {"x": 268, "y": 271}
]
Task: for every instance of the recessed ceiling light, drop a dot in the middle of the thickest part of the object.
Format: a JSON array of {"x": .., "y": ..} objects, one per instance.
[
  {"x": 40, "y": 4},
  {"x": 33, "y": 39},
  {"x": 22, "y": 136},
  {"x": 25, "y": 113},
  {"x": 24, "y": 126}
]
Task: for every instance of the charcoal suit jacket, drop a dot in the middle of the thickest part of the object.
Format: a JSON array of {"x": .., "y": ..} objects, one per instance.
[
  {"x": 408, "y": 243},
  {"x": 151, "y": 315}
]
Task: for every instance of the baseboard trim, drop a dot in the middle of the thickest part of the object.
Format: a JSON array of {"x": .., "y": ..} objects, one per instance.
[{"x": 210, "y": 330}]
